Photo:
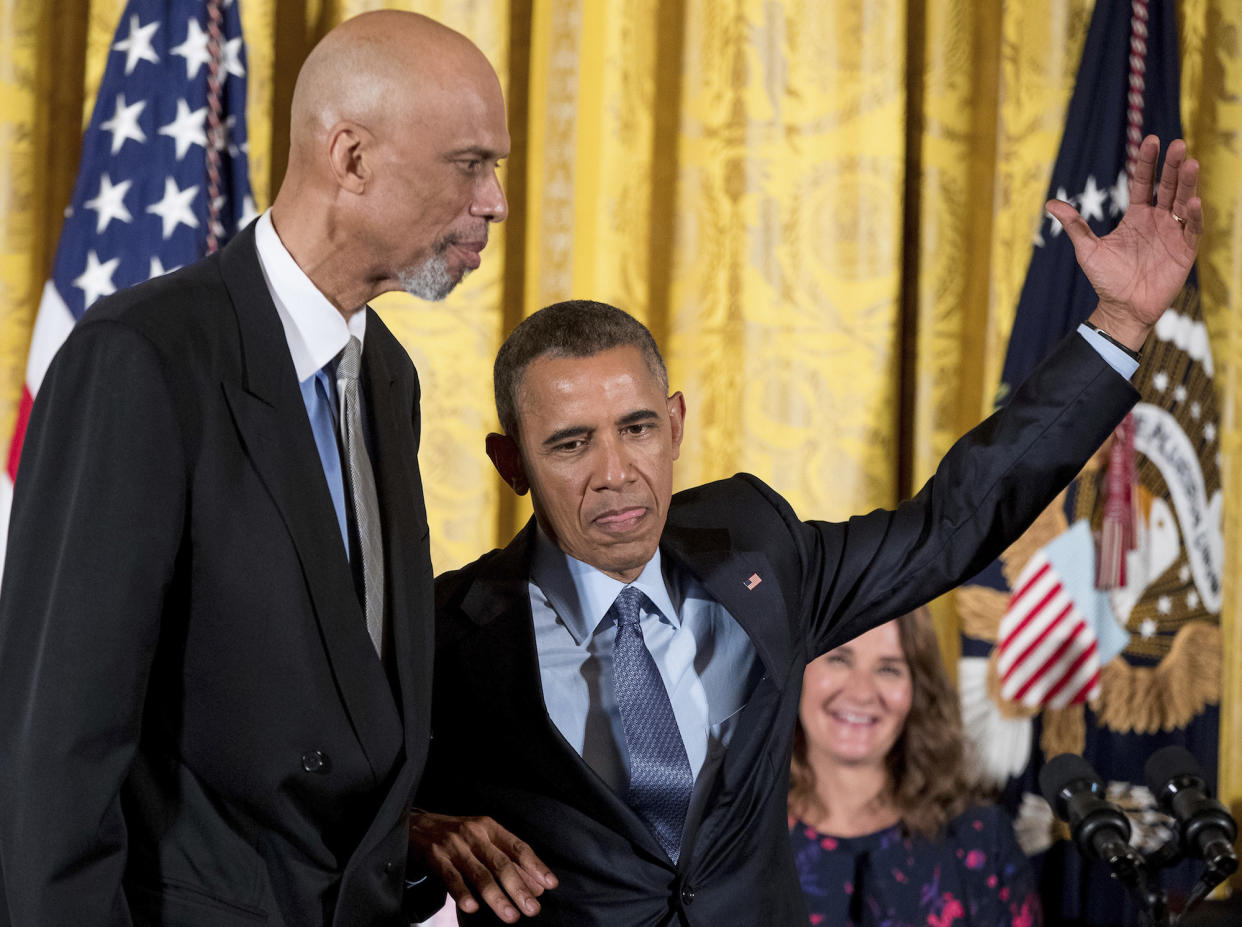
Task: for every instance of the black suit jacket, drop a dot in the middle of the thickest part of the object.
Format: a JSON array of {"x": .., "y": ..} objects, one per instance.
[
  {"x": 195, "y": 726},
  {"x": 495, "y": 750}
]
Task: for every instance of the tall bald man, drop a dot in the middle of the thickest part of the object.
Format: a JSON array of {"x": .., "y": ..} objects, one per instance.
[{"x": 215, "y": 622}]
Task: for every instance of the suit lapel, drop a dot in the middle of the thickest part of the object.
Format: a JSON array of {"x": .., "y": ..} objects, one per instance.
[
  {"x": 506, "y": 660},
  {"x": 271, "y": 420},
  {"x": 743, "y": 581}
]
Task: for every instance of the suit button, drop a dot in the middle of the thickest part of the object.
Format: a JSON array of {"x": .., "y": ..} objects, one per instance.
[
  {"x": 315, "y": 761},
  {"x": 390, "y": 867},
  {"x": 687, "y": 894}
]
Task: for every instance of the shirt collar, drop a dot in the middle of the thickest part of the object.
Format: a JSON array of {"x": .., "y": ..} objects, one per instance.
[
  {"x": 315, "y": 330},
  {"x": 581, "y": 595}
]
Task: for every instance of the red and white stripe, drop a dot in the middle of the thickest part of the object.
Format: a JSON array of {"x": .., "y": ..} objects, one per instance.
[
  {"x": 52, "y": 325},
  {"x": 1048, "y": 655},
  {"x": 54, "y": 320}
]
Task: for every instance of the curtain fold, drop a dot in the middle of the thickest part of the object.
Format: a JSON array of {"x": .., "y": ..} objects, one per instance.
[{"x": 786, "y": 285}]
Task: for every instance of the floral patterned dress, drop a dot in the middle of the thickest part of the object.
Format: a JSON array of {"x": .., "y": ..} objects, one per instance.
[{"x": 977, "y": 876}]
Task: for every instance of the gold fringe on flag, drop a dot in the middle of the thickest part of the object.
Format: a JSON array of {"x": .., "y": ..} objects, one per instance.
[{"x": 1150, "y": 699}]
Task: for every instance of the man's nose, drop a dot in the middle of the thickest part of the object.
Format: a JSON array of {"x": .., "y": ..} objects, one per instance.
[
  {"x": 614, "y": 467},
  {"x": 489, "y": 200}
]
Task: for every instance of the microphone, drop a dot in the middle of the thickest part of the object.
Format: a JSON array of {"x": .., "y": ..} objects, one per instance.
[
  {"x": 1208, "y": 831},
  {"x": 1099, "y": 828}
]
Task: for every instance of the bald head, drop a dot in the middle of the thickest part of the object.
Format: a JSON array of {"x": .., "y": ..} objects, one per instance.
[
  {"x": 398, "y": 128},
  {"x": 365, "y": 69}
]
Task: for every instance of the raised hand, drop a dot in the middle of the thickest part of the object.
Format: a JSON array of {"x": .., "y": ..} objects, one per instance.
[
  {"x": 476, "y": 853},
  {"x": 1139, "y": 267}
]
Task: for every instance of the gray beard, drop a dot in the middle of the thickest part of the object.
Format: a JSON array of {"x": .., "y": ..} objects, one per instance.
[{"x": 432, "y": 281}]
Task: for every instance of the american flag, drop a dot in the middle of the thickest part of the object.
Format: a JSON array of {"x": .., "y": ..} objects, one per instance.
[
  {"x": 1107, "y": 614},
  {"x": 1048, "y": 652},
  {"x": 152, "y": 194}
]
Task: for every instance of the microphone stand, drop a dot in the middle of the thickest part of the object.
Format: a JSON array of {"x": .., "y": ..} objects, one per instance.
[
  {"x": 1205, "y": 829},
  {"x": 1134, "y": 871},
  {"x": 1100, "y": 830},
  {"x": 1152, "y": 899},
  {"x": 1154, "y": 904}
]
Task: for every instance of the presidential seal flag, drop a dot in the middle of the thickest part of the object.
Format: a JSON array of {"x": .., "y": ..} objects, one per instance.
[
  {"x": 163, "y": 178},
  {"x": 1098, "y": 632}
]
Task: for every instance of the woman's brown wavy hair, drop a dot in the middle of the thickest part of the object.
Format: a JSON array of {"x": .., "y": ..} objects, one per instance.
[{"x": 926, "y": 766}]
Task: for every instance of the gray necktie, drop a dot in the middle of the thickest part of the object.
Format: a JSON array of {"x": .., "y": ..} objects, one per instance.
[
  {"x": 362, "y": 491},
  {"x": 660, "y": 777}
]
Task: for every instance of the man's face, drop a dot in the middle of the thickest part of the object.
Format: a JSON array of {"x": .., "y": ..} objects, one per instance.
[
  {"x": 597, "y": 441},
  {"x": 437, "y": 189}
]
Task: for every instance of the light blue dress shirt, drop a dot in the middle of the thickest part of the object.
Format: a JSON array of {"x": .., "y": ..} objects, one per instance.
[
  {"x": 319, "y": 395},
  {"x": 706, "y": 660},
  {"x": 1116, "y": 358}
]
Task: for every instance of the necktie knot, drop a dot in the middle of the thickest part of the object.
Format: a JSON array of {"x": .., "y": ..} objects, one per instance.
[
  {"x": 628, "y": 605},
  {"x": 350, "y": 363}
]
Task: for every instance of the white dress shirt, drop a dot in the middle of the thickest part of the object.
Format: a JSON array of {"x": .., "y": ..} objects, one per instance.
[
  {"x": 316, "y": 333},
  {"x": 315, "y": 329}
]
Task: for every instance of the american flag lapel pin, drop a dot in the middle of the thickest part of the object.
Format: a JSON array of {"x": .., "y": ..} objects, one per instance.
[{"x": 755, "y": 580}]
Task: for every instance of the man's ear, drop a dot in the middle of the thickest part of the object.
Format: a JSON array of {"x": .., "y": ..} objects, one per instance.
[
  {"x": 507, "y": 460},
  {"x": 677, "y": 421},
  {"x": 346, "y": 143}
]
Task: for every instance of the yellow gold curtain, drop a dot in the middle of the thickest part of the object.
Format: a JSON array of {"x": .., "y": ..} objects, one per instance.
[{"x": 823, "y": 210}]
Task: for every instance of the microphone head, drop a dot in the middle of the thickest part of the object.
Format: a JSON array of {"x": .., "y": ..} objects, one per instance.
[
  {"x": 1059, "y": 772},
  {"x": 1168, "y": 764}
]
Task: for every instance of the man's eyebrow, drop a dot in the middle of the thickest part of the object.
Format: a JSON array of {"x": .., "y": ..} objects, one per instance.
[
  {"x": 563, "y": 434},
  {"x": 584, "y": 431},
  {"x": 639, "y": 415},
  {"x": 476, "y": 151}
]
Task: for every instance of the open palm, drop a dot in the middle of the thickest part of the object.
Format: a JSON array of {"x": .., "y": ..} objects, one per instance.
[{"x": 1139, "y": 268}]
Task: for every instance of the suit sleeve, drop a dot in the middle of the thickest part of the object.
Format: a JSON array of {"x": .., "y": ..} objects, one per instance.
[
  {"x": 96, "y": 525},
  {"x": 987, "y": 490}
]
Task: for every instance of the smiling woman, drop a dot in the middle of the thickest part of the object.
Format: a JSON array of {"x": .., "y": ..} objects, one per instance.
[{"x": 880, "y": 818}]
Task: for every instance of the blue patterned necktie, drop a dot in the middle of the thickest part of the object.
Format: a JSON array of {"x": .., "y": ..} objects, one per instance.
[{"x": 660, "y": 777}]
